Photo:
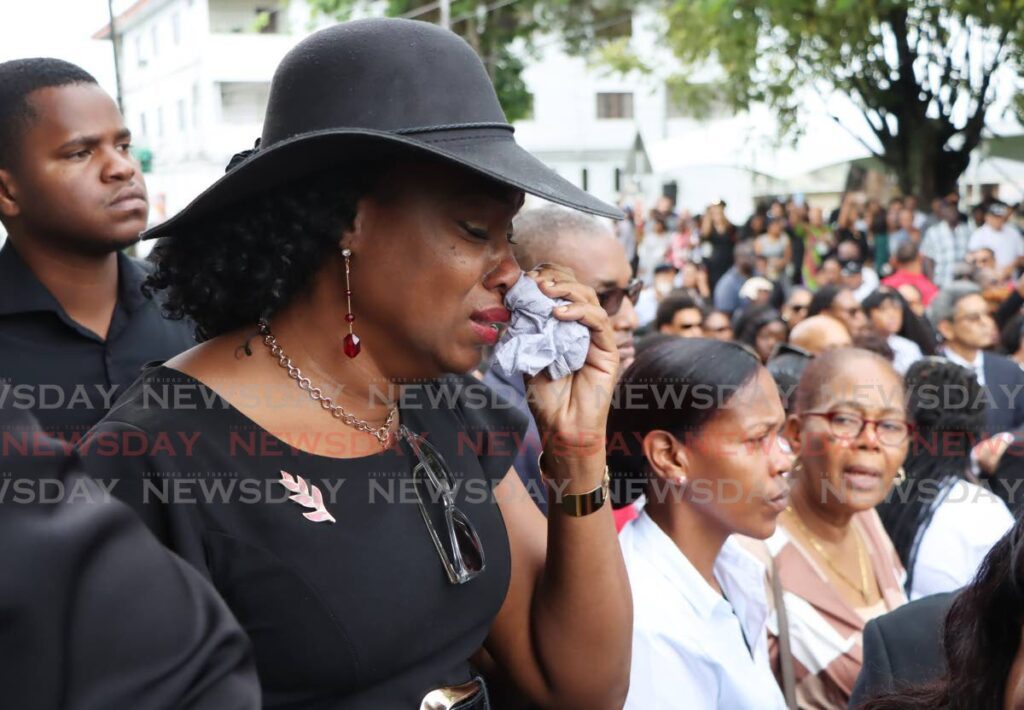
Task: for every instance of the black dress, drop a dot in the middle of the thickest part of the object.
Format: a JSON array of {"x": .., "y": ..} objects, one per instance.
[{"x": 354, "y": 614}]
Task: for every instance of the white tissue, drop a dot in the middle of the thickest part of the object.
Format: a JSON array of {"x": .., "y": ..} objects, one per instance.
[{"x": 535, "y": 339}]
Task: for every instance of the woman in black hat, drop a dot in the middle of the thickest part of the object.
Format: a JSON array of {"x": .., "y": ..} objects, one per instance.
[{"x": 309, "y": 457}]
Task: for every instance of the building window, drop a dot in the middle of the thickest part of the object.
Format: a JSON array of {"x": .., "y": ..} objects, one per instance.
[
  {"x": 267, "y": 20},
  {"x": 195, "y": 105},
  {"x": 140, "y": 58},
  {"x": 617, "y": 105},
  {"x": 584, "y": 180},
  {"x": 160, "y": 122},
  {"x": 618, "y": 180},
  {"x": 182, "y": 116},
  {"x": 176, "y": 28},
  {"x": 142, "y": 125},
  {"x": 154, "y": 35}
]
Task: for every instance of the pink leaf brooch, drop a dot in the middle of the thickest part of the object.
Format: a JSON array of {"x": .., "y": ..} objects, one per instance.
[{"x": 308, "y": 496}]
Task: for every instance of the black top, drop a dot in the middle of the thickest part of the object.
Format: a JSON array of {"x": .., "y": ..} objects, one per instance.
[
  {"x": 95, "y": 614},
  {"x": 354, "y": 614},
  {"x": 65, "y": 374}
]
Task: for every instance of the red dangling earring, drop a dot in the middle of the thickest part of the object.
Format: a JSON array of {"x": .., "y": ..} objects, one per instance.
[{"x": 352, "y": 346}]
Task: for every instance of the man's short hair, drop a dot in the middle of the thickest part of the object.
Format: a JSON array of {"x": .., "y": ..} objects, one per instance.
[
  {"x": 672, "y": 304},
  {"x": 943, "y": 306},
  {"x": 906, "y": 252},
  {"x": 18, "y": 79},
  {"x": 537, "y": 229}
]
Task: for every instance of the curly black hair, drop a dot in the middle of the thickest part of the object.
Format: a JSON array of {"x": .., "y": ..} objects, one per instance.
[
  {"x": 939, "y": 452},
  {"x": 254, "y": 256}
]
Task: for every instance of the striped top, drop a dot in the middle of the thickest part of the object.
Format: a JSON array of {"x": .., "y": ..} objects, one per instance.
[{"x": 824, "y": 630}]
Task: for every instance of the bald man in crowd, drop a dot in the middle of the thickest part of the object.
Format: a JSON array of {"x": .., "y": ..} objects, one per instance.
[
  {"x": 588, "y": 246},
  {"x": 820, "y": 333}
]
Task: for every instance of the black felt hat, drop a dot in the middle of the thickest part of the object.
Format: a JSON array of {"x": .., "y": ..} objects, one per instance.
[{"x": 378, "y": 90}]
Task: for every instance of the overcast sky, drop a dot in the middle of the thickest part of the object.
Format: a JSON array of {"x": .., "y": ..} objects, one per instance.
[{"x": 58, "y": 28}]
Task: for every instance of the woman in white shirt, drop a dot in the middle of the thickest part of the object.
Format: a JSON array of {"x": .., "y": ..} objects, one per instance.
[
  {"x": 941, "y": 522},
  {"x": 696, "y": 431}
]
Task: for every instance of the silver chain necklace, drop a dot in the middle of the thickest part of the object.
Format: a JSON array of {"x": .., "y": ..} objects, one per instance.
[{"x": 381, "y": 433}]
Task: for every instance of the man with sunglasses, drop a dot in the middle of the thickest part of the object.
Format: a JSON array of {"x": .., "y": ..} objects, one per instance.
[
  {"x": 587, "y": 246},
  {"x": 795, "y": 308}
]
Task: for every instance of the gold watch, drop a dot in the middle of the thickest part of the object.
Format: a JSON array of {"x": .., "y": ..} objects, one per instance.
[{"x": 579, "y": 504}]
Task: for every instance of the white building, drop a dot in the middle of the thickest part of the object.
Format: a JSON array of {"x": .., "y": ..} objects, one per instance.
[{"x": 195, "y": 78}]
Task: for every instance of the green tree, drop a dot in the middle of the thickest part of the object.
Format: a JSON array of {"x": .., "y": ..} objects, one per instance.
[
  {"x": 922, "y": 72},
  {"x": 504, "y": 32}
]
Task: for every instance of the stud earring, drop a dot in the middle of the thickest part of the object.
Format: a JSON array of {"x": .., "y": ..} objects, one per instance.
[
  {"x": 901, "y": 476},
  {"x": 352, "y": 346}
]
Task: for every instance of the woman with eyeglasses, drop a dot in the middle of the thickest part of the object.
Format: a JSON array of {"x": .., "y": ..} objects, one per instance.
[
  {"x": 830, "y": 555},
  {"x": 356, "y": 507},
  {"x": 941, "y": 522},
  {"x": 710, "y": 467}
]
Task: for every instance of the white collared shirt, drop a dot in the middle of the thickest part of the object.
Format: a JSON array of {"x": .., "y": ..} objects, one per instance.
[
  {"x": 966, "y": 524},
  {"x": 689, "y": 650},
  {"x": 977, "y": 366}
]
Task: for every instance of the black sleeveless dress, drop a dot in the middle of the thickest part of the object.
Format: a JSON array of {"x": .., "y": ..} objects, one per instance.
[{"x": 358, "y": 613}]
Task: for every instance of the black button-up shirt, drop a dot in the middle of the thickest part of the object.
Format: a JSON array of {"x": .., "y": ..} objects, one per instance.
[{"x": 65, "y": 374}]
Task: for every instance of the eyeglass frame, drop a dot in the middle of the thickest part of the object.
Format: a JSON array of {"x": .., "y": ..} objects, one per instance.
[
  {"x": 631, "y": 291},
  {"x": 457, "y": 570},
  {"x": 864, "y": 421}
]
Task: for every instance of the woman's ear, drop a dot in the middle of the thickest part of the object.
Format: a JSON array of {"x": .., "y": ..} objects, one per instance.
[
  {"x": 791, "y": 433},
  {"x": 357, "y": 232},
  {"x": 666, "y": 456}
]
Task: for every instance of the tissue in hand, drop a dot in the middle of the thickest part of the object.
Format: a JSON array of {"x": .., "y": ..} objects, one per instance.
[{"x": 535, "y": 339}]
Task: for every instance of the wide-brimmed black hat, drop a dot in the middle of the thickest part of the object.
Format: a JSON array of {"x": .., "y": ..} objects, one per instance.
[{"x": 381, "y": 89}]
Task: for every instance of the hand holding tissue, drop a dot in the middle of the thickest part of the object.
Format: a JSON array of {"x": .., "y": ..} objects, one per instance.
[{"x": 535, "y": 340}]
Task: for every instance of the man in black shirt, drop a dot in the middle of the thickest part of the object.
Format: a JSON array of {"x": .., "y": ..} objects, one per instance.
[{"x": 74, "y": 326}]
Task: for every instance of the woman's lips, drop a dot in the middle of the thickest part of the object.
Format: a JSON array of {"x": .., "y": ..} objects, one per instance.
[
  {"x": 780, "y": 502},
  {"x": 487, "y": 322},
  {"x": 488, "y": 333},
  {"x": 862, "y": 478}
]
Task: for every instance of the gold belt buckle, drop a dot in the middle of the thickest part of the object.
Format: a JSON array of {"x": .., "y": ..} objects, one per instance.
[{"x": 449, "y": 696}]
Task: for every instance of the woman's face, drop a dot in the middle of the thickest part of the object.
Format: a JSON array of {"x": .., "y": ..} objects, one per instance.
[
  {"x": 690, "y": 276},
  {"x": 769, "y": 335},
  {"x": 887, "y": 319},
  {"x": 850, "y": 474},
  {"x": 734, "y": 465},
  {"x": 431, "y": 265},
  {"x": 1013, "y": 693}
]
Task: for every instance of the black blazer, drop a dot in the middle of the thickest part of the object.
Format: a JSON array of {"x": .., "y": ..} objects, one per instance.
[
  {"x": 94, "y": 612},
  {"x": 903, "y": 647},
  {"x": 1004, "y": 383}
]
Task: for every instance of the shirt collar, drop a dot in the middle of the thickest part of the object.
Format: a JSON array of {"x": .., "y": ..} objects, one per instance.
[
  {"x": 976, "y": 365},
  {"x": 738, "y": 573},
  {"x": 22, "y": 292}
]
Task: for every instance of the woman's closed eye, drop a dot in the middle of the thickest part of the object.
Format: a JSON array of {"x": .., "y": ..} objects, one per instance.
[{"x": 481, "y": 232}]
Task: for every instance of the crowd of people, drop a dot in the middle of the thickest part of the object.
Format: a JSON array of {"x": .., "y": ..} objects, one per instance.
[{"x": 783, "y": 471}]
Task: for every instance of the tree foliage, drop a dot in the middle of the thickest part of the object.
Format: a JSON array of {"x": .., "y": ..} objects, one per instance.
[
  {"x": 922, "y": 72},
  {"x": 505, "y": 32}
]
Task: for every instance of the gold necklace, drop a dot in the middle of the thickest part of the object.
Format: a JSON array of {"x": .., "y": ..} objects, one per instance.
[
  {"x": 381, "y": 433},
  {"x": 863, "y": 587}
]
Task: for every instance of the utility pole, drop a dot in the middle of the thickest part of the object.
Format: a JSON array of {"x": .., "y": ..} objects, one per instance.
[
  {"x": 117, "y": 58},
  {"x": 446, "y": 14}
]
